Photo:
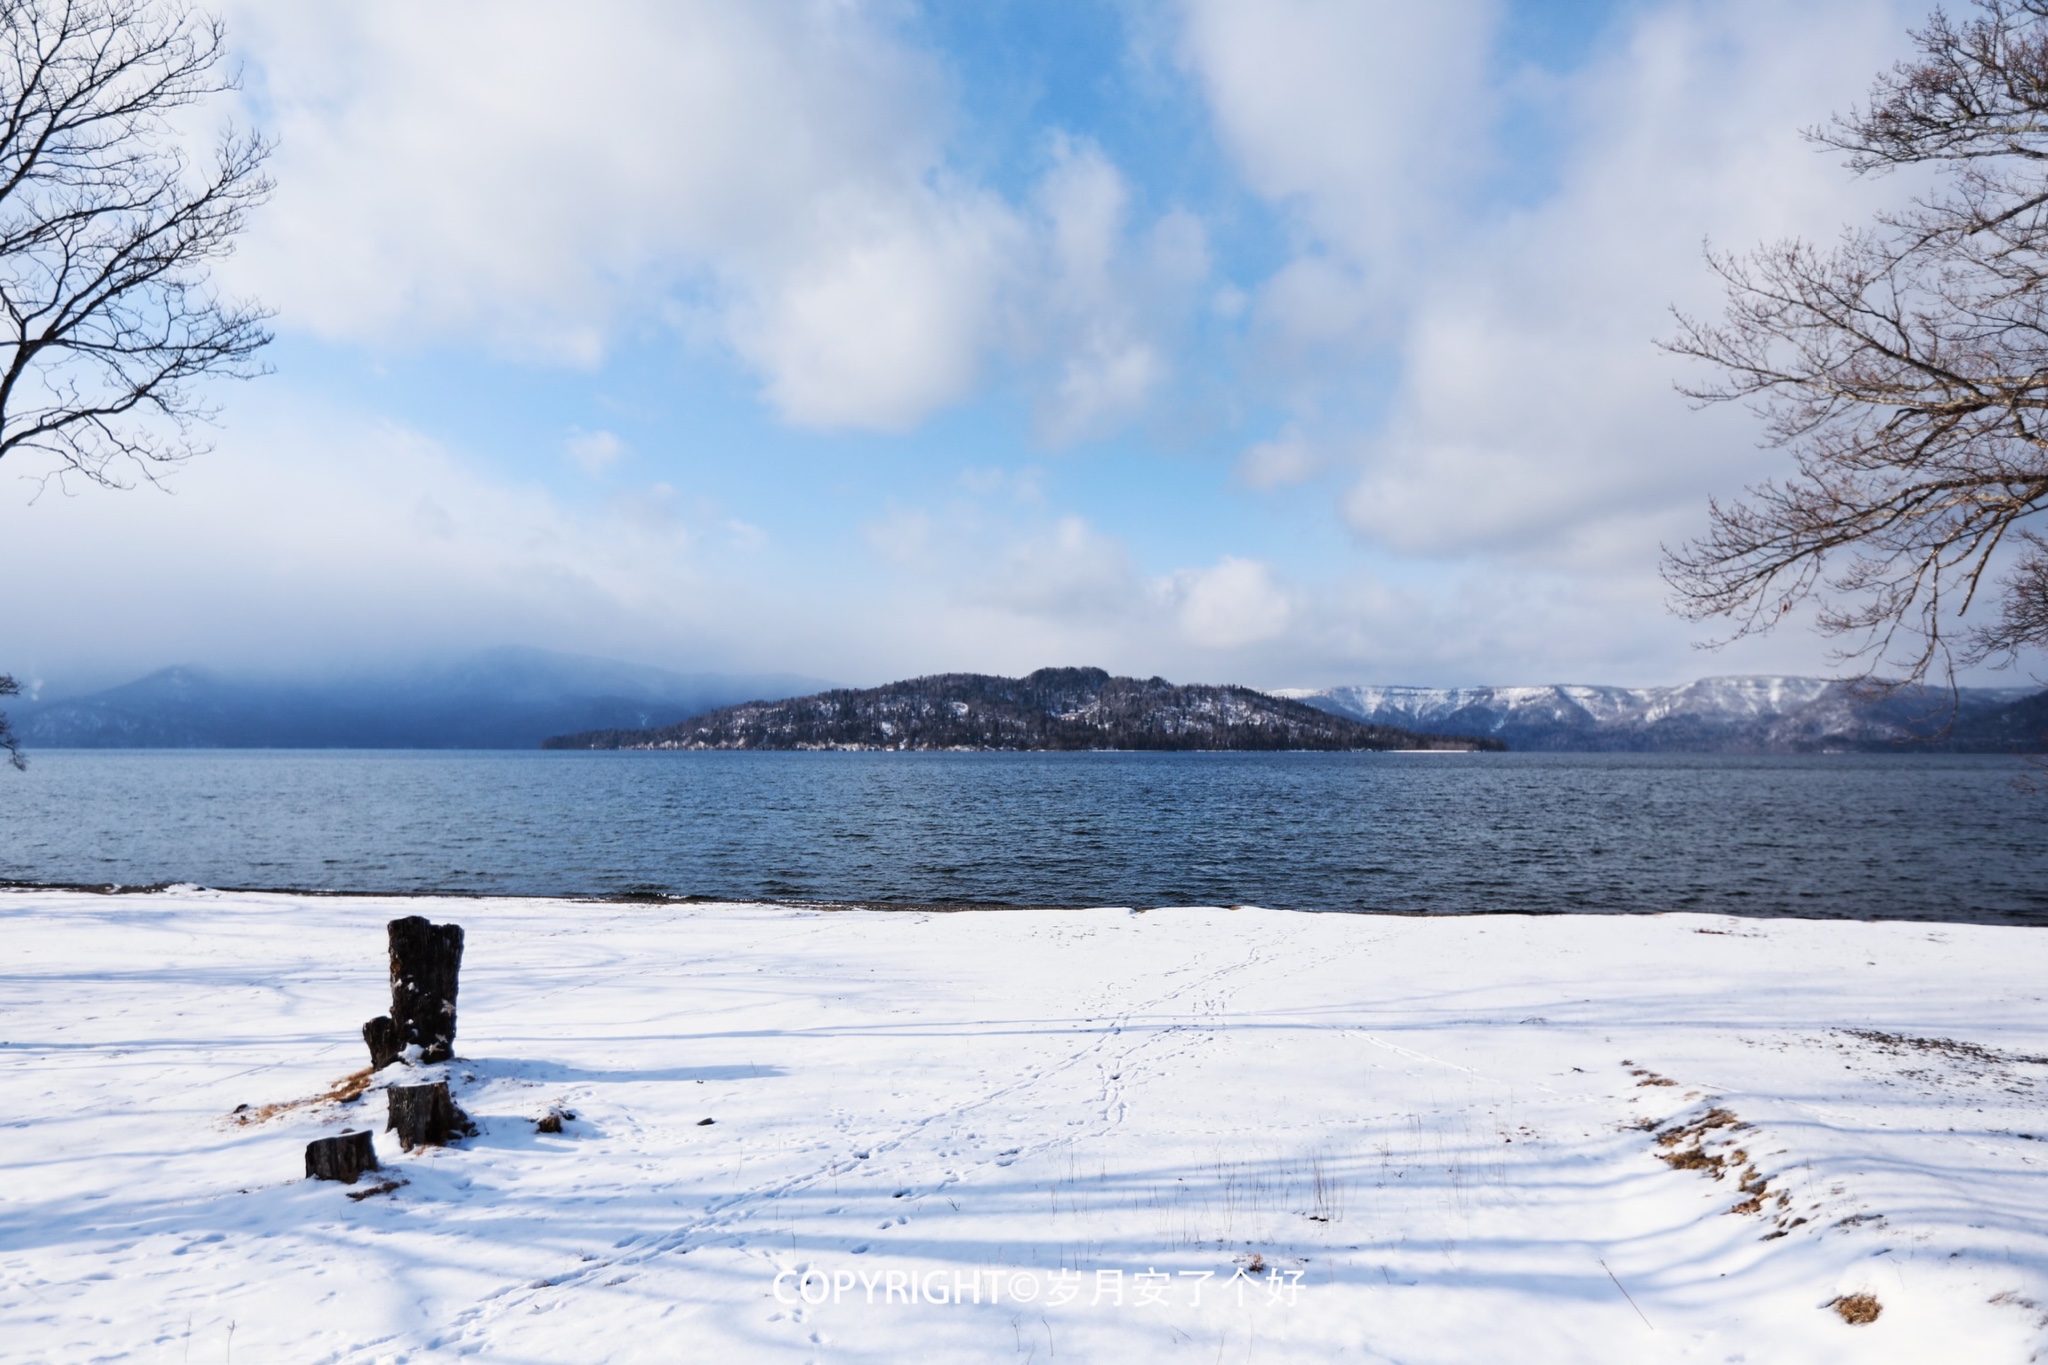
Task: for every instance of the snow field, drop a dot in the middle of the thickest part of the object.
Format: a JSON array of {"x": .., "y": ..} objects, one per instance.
[{"x": 1198, "y": 1133}]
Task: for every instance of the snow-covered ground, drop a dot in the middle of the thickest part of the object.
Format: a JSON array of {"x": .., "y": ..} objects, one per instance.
[{"x": 1201, "y": 1134}]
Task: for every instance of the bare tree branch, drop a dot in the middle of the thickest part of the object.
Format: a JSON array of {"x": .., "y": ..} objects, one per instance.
[
  {"x": 107, "y": 237},
  {"x": 1905, "y": 369}
]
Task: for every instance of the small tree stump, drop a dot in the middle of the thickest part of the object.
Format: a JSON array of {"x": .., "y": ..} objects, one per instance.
[
  {"x": 382, "y": 1036},
  {"x": 425, "y": 1116},
  {"x": 426, "y": 960},
  {"x": 342, "y": 1158}
]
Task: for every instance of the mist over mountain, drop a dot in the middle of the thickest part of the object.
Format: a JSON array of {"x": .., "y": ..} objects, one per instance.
[
  {"x": 1712, "y": 715},
  {"x": 515, "y": 698},
  {"x": 1053, "y": 708},
  {"x": 507, "y": 698}
]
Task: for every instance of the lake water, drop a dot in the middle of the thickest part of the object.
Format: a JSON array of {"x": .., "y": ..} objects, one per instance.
[{"x": 1919, "y": 836}]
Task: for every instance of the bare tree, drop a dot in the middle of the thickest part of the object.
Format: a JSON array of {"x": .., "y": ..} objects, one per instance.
[
  {"x": 108, "y": 235},
  {"x": 8, "y": 743},
  {"x": 1905, "y": 369}
]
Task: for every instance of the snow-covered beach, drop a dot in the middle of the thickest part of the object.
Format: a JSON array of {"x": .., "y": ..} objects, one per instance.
[{"x": 1084, "y": 1135}]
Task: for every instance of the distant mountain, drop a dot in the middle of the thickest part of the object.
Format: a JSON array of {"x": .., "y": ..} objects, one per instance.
[
  {"x": 1713, "y": 715},
  {"x": 1054, "y": 708},
  {"x": 509, "y": 698}
]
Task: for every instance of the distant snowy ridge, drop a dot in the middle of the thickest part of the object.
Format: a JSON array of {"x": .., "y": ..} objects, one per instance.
[{"x": 1767, "y": 714}]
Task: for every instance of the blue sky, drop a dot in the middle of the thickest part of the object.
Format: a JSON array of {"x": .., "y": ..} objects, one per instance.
[{"x": 1289, "y": 342}]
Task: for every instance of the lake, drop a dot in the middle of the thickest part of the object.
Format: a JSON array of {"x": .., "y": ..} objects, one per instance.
[{"x": 1919, "y": 836}]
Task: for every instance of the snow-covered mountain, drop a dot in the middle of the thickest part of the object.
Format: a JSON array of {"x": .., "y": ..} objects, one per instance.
[{"x": 1741, "y": 714}]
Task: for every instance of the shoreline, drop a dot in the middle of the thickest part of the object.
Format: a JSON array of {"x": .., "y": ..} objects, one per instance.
[{"x": 2018, "y": 919}]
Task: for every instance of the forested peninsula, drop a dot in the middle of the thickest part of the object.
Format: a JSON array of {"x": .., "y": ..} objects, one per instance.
[{"x": 1052, "y": 709}]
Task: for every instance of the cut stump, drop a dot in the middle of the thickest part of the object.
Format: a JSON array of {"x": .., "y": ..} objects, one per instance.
[
  {"x": 382, "y": 1036},
  {"x": 342, "y": 1158},
  {"x": 425, "y": 1116},
  {"x": 426, "y": 960}
]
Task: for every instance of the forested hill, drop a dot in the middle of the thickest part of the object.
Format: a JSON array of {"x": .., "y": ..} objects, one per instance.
[{"x": 1054, "y": 708}]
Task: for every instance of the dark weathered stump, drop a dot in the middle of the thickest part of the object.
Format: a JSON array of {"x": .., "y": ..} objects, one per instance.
[
  {"x": 342, "y": 1158},
  {"x": 382, "y": 1036},
  {"x": 426, "y": 960},
  {"x": 425, "y": 1116}
]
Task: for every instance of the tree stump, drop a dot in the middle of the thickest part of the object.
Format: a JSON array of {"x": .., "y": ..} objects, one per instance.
[
  {"x": 342, "y": 1158},
  {"x": 382, "y": 1036},
  {"x": 425, "y": 1115},
  {"x": 426, "y": 959}
]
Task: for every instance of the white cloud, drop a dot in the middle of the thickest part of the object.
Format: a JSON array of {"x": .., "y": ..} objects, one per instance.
[
  {"x": 593, "y": 452},
  {"x": 494, "y": 166},
  {"x": 1365, "y": 120},
  {"x": 1513, "y": 489},
  {"x": 773, "y": 178},
  {"x": 1009, "y": 592},
  {"x": 1012, "y": 583},
  {"x": 778, "y": 181},
  {"x": 1288, "y": 458},
  {"x": 1111, "y": 301},
  {"x": 1366, "y": 114},
  {"x": 887, "y": 317},
  {"x": 538, "y": 178},
  {"x": 316, "y": 537},
  {"x": 1232, "y": 603},
  {"x": 1069, "y": 572},
  {"x": 1534, "y": 408}
]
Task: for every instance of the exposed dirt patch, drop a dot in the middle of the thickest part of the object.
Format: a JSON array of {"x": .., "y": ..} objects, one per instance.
[
  {"x": 1708, "y": 1141},
  {"x": 1717, "y": 1117},
  {"x": 382, "y": 1187},
  {"x": 1692, "y": 1147},
  {"x": 1857, "y": 1309},
  {"x": 1955, "y": 1050},
  {"x": 347, "y": 1090}
]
